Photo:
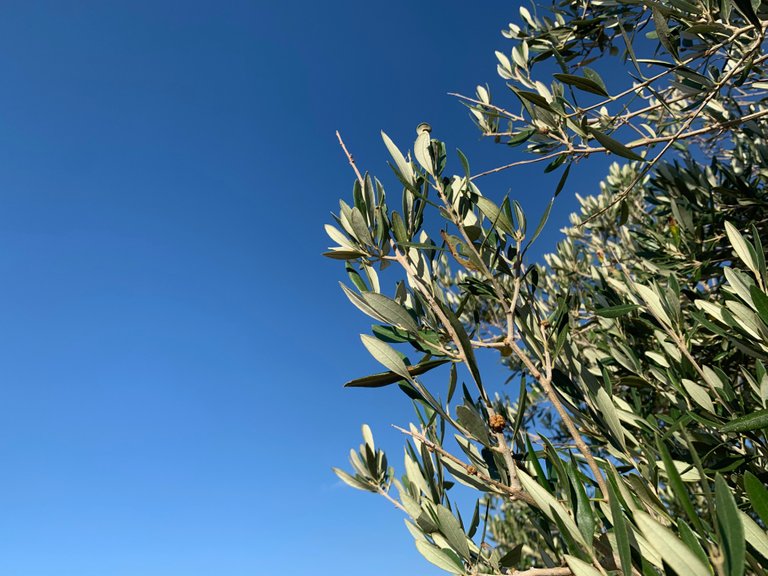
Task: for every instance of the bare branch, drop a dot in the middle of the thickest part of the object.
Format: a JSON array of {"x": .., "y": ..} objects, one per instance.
[{"x": 351, "y": 160}]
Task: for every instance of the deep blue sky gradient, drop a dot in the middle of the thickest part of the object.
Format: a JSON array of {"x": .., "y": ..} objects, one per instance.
[{"x": 172, "y": 344}]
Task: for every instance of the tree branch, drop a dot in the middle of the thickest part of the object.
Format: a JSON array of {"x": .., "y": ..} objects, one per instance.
[
  {"x": 513, "y": 493},
  {"x": 351, "y": 160}
]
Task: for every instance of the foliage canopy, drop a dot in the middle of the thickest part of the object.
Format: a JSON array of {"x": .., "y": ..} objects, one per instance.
[{"x": 635, "y": 442}]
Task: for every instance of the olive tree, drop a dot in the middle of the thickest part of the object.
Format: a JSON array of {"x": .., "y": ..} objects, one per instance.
[{"x": 632, "y": 439}]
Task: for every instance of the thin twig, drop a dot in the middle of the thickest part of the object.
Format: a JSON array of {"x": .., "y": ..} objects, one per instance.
[
  {"x": 521, "y": 163},
  {"x": 392, "y": 500},
  {"x": 647, "y": 168},
  {"x": 508, "y": 114},
  {"x": 501, "y": 440},
  {"x": 543, "y": 572},
  {"x": 546, "y": 384},
  {"x": 351, "y": 160},
  {"x": 513, "y": 493}
]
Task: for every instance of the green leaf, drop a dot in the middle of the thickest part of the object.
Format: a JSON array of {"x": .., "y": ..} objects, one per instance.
[
  {"x": 676, "y": 554},
  {"x": 512, "y": 558},
  {"x": 451, "y": 383},
  {"x": 534, "y": 98},
  {"x": 494, "y": 215},
  {"x": 464, "y": 162},
  {"x": 444, "y": 559},
  {"x": 699, "y": 395},
  {"x": 387, "y": 378},
  {"x": 542, "y": 222},
  {"x": 352, "y": 481},
  {"x": 451, "y": 529},
  {"x": 398, "y": 228},
  {"x": 360, "y": 228},
  {"x": 653, "y": 301},
  {"x": 475, "y": 522},
  {"x": 759, "y": 253},
  {"x": 595, "y": 77},
  {"x": 390, "y": 334},
  {"x": 744, "y": 250},
  {"x": 343, "y": 254},
  {"x": 390, "y": 311},
  {"x": 708, "y": 29},
  {"x": 337, "y": 236},
  {"x": 616, "y": 311},
  {"x": 731, "y": 528},
  {"x": 610, "y": 414},
  {"x": 562, "y": 181},
  {"x": 662, "y": 31},
  {"x": 368, "y": 437},
  {"x": 521, "y": 137},
  {"x": 580, "y": 568},
  {"x": 361, "y": 304},
  {"x": 473, "y": 423},
  {"x": 755, "y": 536},
  {"x": 676, "y": 483},
  {"x": 521, "y": 406},
  {"x": 535, "y": 464},
  {"x": 584, "y": 515},
  {"x": 403, "y": 168},
  {"x": 421, "y": 152},
  {"x": 624, "y": 213},
  {"x": 464, "y": 343},
  {"x": 621, "y": 531},
  {"x": 754, "y": 421},
  {"x": 355, "y": 277},
  {"x": 582, "y": 83},
  {"x": 615, "y": 146},
  {"x": 760, "y": 300},
  {"x": 386, "y": 355},
  {"x": 689, "y": 538},
  {"x": 758, "y": 495},
  {"x": 551, "y": 507}
]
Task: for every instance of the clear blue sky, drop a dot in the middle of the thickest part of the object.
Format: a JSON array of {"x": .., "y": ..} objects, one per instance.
[{"x": 172, "y": 344}]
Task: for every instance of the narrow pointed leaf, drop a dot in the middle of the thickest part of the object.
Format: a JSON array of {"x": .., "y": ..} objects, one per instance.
[
  {"x": 421, "y": 152},
  {"x": 494, "y": 215},
  {"x": 615, "y": 146},
  {"x": 743, "y": 249},
  {"x": 611, "y": 415},
  {"x": 616, "y": 311},
  {"x": 677, "y": 484},
  {"x": 473, "y": 423},
  {"x": 444, "y": 559},
  {"x": 551, "y": 507},
  {"x": 542, "y": 222},
  {"x": 758, "y": 495},
  {"x": 352, "y": 481},
  {"x": 451, "y": 529},
  {"x": 754, "y": 535},
  {"x": 760, "y": 300},
  {"x": 689, "y": 538},
  {"x": 464, "y": 344},
  {"x": 581, "y": 83},
  {"x": 621, "y": 531},
  {"x": 389, "y": 310},
  {"x": 731, "y": 528},
  {"x": 386, "y": 355},
  {"x": 402, "y": 166},
  {"x": 386, "y": 378},
  {"x": 512, "y": 558},
  {"x": 755, "y": 421},
  {"x": 580, "y": 568},
  {"x": 674, "y": 552},
  {"x": 562, "y": 181}
]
